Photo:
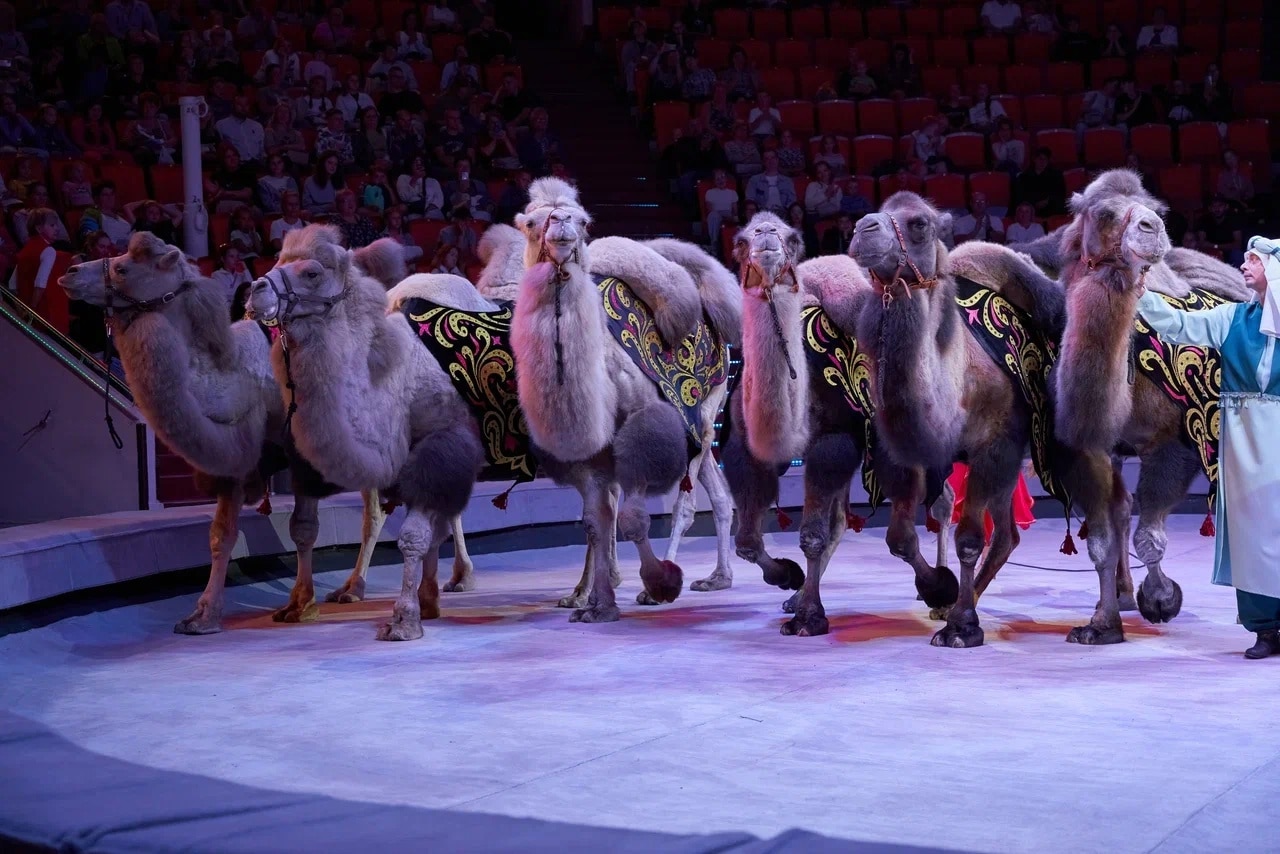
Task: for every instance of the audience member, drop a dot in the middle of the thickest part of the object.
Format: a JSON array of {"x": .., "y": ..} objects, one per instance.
[
  {"x": 822, "y": 196},
  {"x": 1220, "y": 230},
  {"x": 232, "y": 273},
  {"x": 34, "y": 263},
  {"x": 836, "y": 241},
  {"x": 320, "y": 191},
  {"x": 1042, "y": 186},
  {"x": 244, "y": 233},
  {"x": 447, "y": 260},
  {"x": 244, "y": 132},
  {"x": 978, "y": 223},
  {"x": 852, "y": 201},
  {"x": 291, "y": 219},
  {"x": 465, "y": 188},
  {"x": 791, "y": 157},
  {"x": 164, "y": 221},
  {"x": 230, "y": 184},
  {"x": 394, "y": 228},
  {"x": 721, "y": 202},
  {"x": 515, "y": 196},
  {"x": 770, "y": 189},
  {"x": 106, "y": 217},
  {"x": 1008, "y": 153},
  {"x": 1001, "y": 17},
  {"x": 419, "y": 192},
  {"x": 1158, "y": 35},
  {"x": 1024, "y": 228}
]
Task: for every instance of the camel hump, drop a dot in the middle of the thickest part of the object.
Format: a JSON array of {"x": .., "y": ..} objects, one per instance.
[
  {"x": 717, "y": 287},
  {"x": 664, "y": 286},
  {"x": 1017, "y": 278},
  {"x": 443, "y": 289},
  {"x": 839, "y": 285},
  {"x": 1204, "y": 272},
  {"x": 501, "y": 248}
]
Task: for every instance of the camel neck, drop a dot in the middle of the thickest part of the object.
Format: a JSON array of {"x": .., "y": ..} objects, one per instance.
[{"x": 775, "y": 376}]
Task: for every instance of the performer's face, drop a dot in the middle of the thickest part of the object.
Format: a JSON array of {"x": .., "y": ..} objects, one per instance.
[{"x": 1255, "y": 275}]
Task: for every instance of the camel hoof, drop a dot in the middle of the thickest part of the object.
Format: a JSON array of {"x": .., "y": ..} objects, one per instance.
[
  {"x": 808, "y": 622},
  {"x": 400, "y": 629},
  {"x": 1126, "y": 602},
  {"x": 460, "y": 585},
  {"x": 939, "y": 614},
  {"x": 294, "y": 613},
  {"x": 940, "y": 590},
  {"x": 1091, "y": 635},
  {"x": 350, "y": 591},
  {"x": 596, "y": 614},
  {"x": 789, "y": 606},
  {"x": 201, "y": 622},
  {"x": 643, "y": 598},
  {"x": 715, "y": 581},
  {"x": 964, "y": 633},
  {"x": 748, "y": 553},
  {"x": 573, "y": 600},
  {"x": 663, "y": 581},
  {"x": 1157, "y": 605},
  {"x": 784, "y": 573}
]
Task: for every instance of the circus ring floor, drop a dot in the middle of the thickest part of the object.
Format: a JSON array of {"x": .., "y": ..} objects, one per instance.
[{"x": 693, "y": 718}]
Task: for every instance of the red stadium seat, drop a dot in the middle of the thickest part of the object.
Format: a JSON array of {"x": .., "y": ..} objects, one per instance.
[
  {"x": 1042, "y": 112},
  {"x": 1012, "y": 106},
  {"x": 973, "y": 76},
  {"x": 131, "y": 183},
  {"x": 797, "y": 117},
  {"x": 219, "y": 230},
  {"x": 1153, "y": 143},
  {"x": 1075, "y": 179},
  {"x": 1202, "y": 37},
  {"x": 884, "y": 22},
  {"x": 770, "y": 24},
  {"x": 713, "y": 52},
  {"x": 1062, "y": 147},
  {"x": 946, "y": 191},
  {"x": 923, "y": 21},
  {"x": 1193, "y": 66},
  {"x": 846, "y": 23},
  {"x": 793, "y": 53},
  {"x": 890, "y": 184},
  {"x": 1101, "y": 70},
  {"x": 870, "y": 151},
  {"x": 951, "y": 51},
  {"x": 760, "y": 52},
  {"x": 1123, "y": 12},
  {"x": 730, "y": 24},
  {"x": 1023, "y": 80},
  {"x": 166, "y": 184},
  {"x": 808, "y": 23},
  {"x": 668, "y": 116},
  {"x": 878, "y": 116},
  {"x": 958, "y": 20},
  {"x": 991, "y": 50},
  {"x": 833, "y": 53},
  {"x": 779, "y": 82},
  {"x": 1241, "y": 66},
  {"x": 913, "y": 111},
  {"x": 426, "y": 233},
  {"x": 875, "y": 51},
  {"x": 1244, "y": 33},
  {"x": 813, "y": 78},
  {"x": 968, "y": 151},
  {"x": 1183, "y": 185},
  {"x": 1250, "y": 139},
  {"x": 1032, "y": 48},
  {"x": 1153, "y": 70},
  {"x": 442, "y": 44},
  {"x": 920, "y": 49},
  {"x": 1199, "y": 142},
  {"x": 1259, "y": 100},
  {"x": 936, "y": 80},
  {"x": 1064, "y": 77},
  {"x": 994, "y": 185},
  {"x": 838, "y": 117},
  {"x": 1104, "y": 148}
]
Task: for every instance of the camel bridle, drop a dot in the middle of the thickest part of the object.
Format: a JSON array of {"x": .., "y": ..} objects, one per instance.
[
  {"x": 560, "y": 277},
  {"x": 1113, "y": 252},
  {"x": 289, "y": 299},
  {"x": 765, "y": 293},
  {"x": 885, "y": 288}
]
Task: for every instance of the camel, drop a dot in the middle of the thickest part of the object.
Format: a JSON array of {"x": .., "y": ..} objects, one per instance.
[
  {"x": 598, "y": 422},
  {"x": 1115, "y": 246},
  {"x": 373, "y": 408},
  {"x": 502, "y": 248},
  {"x": 204, "y": 386},
  {"x": 786, "y": 408},
  {"x": 938, "y": 394}
]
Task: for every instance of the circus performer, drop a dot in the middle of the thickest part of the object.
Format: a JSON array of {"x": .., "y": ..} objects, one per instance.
[
  {"x": 1248, "y": 500},
  {"x": 1023, "y": 502}
]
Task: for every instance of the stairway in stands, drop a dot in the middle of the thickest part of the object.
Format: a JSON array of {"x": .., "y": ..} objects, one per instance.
[{"x": 608, "y": 157}]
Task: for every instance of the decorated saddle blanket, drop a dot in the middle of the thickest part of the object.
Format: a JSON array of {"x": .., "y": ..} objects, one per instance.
[
  {"x": 685, "y": 372},
  {"x": 1191, "y": 377},
  {"x": 474, "y": 348},
  {"x": 1027, "y": 356}
]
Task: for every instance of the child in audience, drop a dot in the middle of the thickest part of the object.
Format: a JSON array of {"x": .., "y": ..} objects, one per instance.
[
  {"x": 396, "y": 231},
  {"x": 291, "y": 205},
  {"x": 244, "y": 233},
  {"x": 232, "y": 272},
  {"x": 76, "y": 190}
]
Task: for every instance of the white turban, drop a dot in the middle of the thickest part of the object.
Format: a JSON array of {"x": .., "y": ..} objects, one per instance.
[{"x": 1268, "y": 252}]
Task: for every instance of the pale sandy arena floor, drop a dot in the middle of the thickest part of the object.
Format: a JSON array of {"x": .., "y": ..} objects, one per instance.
[{"x": 700, "y": 716}]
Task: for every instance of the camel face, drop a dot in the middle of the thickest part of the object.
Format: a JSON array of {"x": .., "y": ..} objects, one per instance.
[
  {"x": 558, "y": 234},
  {"x": 292, "y": 291},
  {"x": 147, "y": 272},
  {"x": 905, "y": 232},
  {"x": 769, "y": 246},
  {"x": 1128, "y": 234}
]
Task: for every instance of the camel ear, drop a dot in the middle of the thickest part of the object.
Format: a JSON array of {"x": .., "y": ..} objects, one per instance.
[
  {"x": 741, "y": 247},
  {"x": 523, "y": 222},
  {"x": 169, "y": 260},
  {"x": 1076, "y": 205},
  {"x": 944, "y": 222}
]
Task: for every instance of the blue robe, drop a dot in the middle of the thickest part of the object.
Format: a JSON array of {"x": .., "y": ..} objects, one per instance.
[{"x": 1247, "y": 553}]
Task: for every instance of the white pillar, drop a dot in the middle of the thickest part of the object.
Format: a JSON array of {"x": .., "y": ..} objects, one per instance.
[{"x": 195, "y": 219}]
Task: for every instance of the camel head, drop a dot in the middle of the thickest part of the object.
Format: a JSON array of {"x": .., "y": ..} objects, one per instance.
[
  {"x": 902, "y": 241},
  {"x": 313, "y": 274},
  {"x": 767, "y": 251},
  {"x": 554, "y": 224},
  {"x": 1117, "y": 224},
  {"x": 147, "y": 277}
]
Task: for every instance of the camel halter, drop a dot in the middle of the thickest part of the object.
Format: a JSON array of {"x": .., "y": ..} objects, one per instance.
[
  {"x": 559, "y": 279},
  {"x": 1113, "y": 254},
  {"x": 765, "y": 292},
  {"x": 883, "y": 288}
]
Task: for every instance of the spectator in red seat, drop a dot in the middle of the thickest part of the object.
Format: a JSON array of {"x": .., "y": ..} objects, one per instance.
[
  {"x": 244, "y": 233},
  {"x": 822, "y": 196},
  {"x": 105, "y": 216},
  {"x": 539, "y": 145},
  {"x": 404, "y": 141},
  {"x": 637, "y": 52},
  {"x": 515, "y": 196},
  {"x": 388, "y": 58},
  {"x": 353, "y": 100},
  {"x": 460, "y": 65},
  {"x": 1215, "y": 100},
  {"x": 514, "y": 101},
  {"x": 1008, "y": 153},
  {"x": 320, "y": 191},
  {"x": 979, "y": 223},
  {"x": 697, "y": 17},
  {"x": 132, "y": 24},
  {"x": 369, "y": 141},
  {"x": 1073, "y": 43},
  {"x": 93, "y": 134},
  {"x": 37, "y": 198},
  {"x": 357, "y": 228},
  {"x": 901, "y": 77},
  {"x": 1133, "y": 106},
  {"x": 440, "y": 18},
  {"x": 447, "y": 261},
  {"x": 1234, "y": 184},
  {"x": 12, "y": 43},
  {"x": 291, "y": 207},
  {"x": 130, "y": 86},
  {"x": 232, "y": 273},
  {"x": 284, "y": 56},
  {"x": 334, "y": 137},
  {"x": 76, "y": 191},
  {"x": 256, "y": 30},
  {"x": 16, "y": 133},
  {"x": 98, "y": 40},
  {"x": 926, "y": 143},
  {"x": 453, "y": 141},
  {"x": 34, "y": 262},
  {"x": 852, "y": 202},
  {"x": 836, "y": 241},
  {"x": 1098, "y": 108},
  {"x": 271, "y": 92},
  {"x": 464, "y": 187},
  {"x": 398, "y": 96},
  {"x": 1042, "y": 186},
  {"x": 333, "y": 33},
  {"x": 419, "y": 192},
  {"x": 742, "y": 151},
  {"x": 1024, "y": 228},
  {"x": 764, "y": 118},
  {"x": 459, "y": 232},
  {"x": 396, "y": 231},
  {"x": 1158, "y": 35},
  {"x": 680, "y": 39},
  {"x": 1180, "y": 104},
  {"x": 411, "y": 41},
  {"x": 220, "y": 57},
  {"x": 740, "y": 77},
  {"x": 164, "y": 221},
  {"x": 666, "y": 76},
  {"x": 791, "y": 157},
  {"x": 770, "y": 189},
  {"x": 282, "y": 139},
  {"x": 1041, "y": 18},
  {"x": 1001, "y": 17},
  {"x": 488, "y": 44},
  {"x": 472, "y": 12},
  {"x": 722, "y": 204},
  {"x": 797, "y": 219},
  {"x": 151, "y": 137},
  {"x": 377, "y": 195},
  {"x": 244, "y": 133},
  {"x": 1220, "y": 230},
  {"x": 720, "y": 116},
  {"x": 698, "y": 83},
  {"x": 231, "y": 183},
  {"x": 829, "y": 153},
  {"x": 49, "y": 135},
  {"x": 320, "y": 66},
  {"x": 310, "y": 109},
  {"x": 272, "y": 186},
  {"x": 986, "y": 111},
  {"x": 1113, "y": 44}
]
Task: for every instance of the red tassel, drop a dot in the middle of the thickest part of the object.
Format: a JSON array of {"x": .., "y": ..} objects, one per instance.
[
  {"x": 1069, "y": 545},
  {"x": 500, "y": 500},
  {"x": 855, "y": 522},
  {"x": 265, "y": 507},
  {"x": 1207, "y": 527},
  {"x": 784, "y": 521},
  {"x": 686, "y": 485},
  {"x": 389, "y": 507},
  {"x": 1083, "y": 533},
  {"x": 932, "y": 525}
]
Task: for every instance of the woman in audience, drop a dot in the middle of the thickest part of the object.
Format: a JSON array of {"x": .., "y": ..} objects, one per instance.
[
  {"x": 273, "y": 185},
  {"x": 93, "y": 133},
  {"x": 395, "y": 229},
  {"x": 231, "y": 183},
  {"x": 1234, "y": 183},
  {"x": 743, "y": 152},
  {"x": 791, "y": 157},
  {"x": 447, "y": 261},
  {"x": 1008, "y": 153},
  {"x": 421, "y": 194},
  {"x": 411, "y": 42},
  {"x": 822, "y": 196},
  {"x": 283, "y": 140},
  {"x": 740, "y": 77},
  {"x": 357, "y": 229},
  {"x": 829, "y": 153},
  {"x": 320, "y": 191}
]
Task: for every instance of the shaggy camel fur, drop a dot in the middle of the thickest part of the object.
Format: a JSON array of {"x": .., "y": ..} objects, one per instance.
[
  {"x": 596, "y": 421},
  {"x": 784, "y": 411},
  {"x": 374, "y": 409},
  {"x": 939, "y": 396},
  {"x": 1115, "y": 246},
  {"x": 204, "y": 386},
  {"x": 502, "y": 248}
]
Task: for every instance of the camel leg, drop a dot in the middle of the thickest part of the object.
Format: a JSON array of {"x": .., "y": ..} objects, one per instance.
[
  {"x": 1121, "y": 523},
  {"x": 304, "y": 528},
  {"x": 754, "y": 487},
  {"x": 685, "y": 508},
  {"x": 206, "y": 619},
  {"x": 905, "y": 489},
  {"x": 578, "y": 598},
  {"x": 823, "y": 526},
  {"x": 420, "y": 533},
  {"x": 942, "y": 510},
  {"x": 429, "y": 590},
  {"x": 713, "y": 481},
  {"x": 1097, "y": 489},
  {"x": 663, "y": 579},
  {"x": 600, "y": 511},
  {"x": 1165, "y": 477},
  {"x": 1005, "y": 537},
  {"x": 464, "y": 578},
  {"x": 352, "y": 590}
]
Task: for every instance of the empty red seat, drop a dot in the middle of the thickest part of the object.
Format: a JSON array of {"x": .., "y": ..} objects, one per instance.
[
  {"x": 1032, "y": 48},
  {"x": 808, "y": 23},
  {"x": 1153, "y": 143},
  {"x": 846, "y": 22},
  {"x": 833, "y": 53},
  {"x": 797, "y": 117},
  {"x": 875, "y": 51},
  {"x": 1241, "y": 66},
  {"x": 1243, "y": 33},
  {"x": 1152, "y": 70},
  {"x": 1250, "y": 139},
  {"x": 884, "y": 22},
  {"x": 1104, "y": 148},
  {"x": 838, "y": 117},
  {"x": 913, "y": 111},
  {"x": 166, "y": 184},
  {"x": 760, "y": 52},
  {"x": 919, "y": 48},
  {"x": 611, "y": 22},
  {"x": 1042, "y": 112},
  {"x": 967, "y": 151},
  {"x": 1183, "y": 185},
  {"x": 946, "y": 191},
  {"x": 994, "y": 185},
  {"x": 959, "y": 20},
  {"x": 938, "y": 79},
  {"x": 1102, "y": 70},
  {"x": 769, "y": 24},
  {"x": 1192, "y": 67},
  {"x": 131, "y": 183},
  {"x": 713, "y": 52},
  {"x": 950, "y": 51},
  {"x": 426, "y": 232},
  {"x": 991, "y": 50},
  {"x": 814, "y": 78},
  {"x": 730, "y": 23},
  {"x": 779, "y": 82},
  {"x": 1062, "y": 147},
  {"x": 973, "y": 76},
  {"x": 870, "y": 151},
  {"x": 923, "y": 21},
  {"x": 878, "y": 116},
  {"x": 890, "y": 184},
  {"x": 793, "y": 53},
  {"x": 1023, "y": 80},
  {"x": 1260, "y": 100},
  {"x": 1075, "y": 180},
  {"x": 1202, "y": 37},
  {"x": 1064, "y": 77},
  {"x": 1198, "y": 142},
  {"x": 669, "y": 116}
]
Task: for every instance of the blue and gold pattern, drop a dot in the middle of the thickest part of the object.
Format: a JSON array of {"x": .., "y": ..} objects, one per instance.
[
  {"x": 686, "y": 373},
  {"x": 475, "y": 350}
]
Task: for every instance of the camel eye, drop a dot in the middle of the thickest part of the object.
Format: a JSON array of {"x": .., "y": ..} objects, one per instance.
[{"x": 311, "y": 274}]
